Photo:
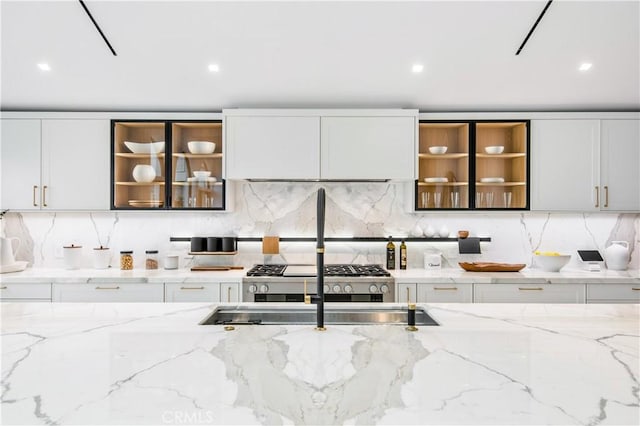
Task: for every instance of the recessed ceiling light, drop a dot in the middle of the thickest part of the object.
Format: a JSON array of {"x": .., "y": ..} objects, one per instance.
[
  {"x": 585, "y": 66},
  {"x": 416, "y": 68},
  {"x": 214, "y": 67},
  {"x": 44, "y": 66}
]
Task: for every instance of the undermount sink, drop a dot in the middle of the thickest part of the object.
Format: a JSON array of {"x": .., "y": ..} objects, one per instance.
[{"x": 282, "y": 315}]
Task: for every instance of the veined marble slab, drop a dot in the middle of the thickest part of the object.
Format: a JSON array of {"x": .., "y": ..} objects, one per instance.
[{"x": 485, "y": 364}]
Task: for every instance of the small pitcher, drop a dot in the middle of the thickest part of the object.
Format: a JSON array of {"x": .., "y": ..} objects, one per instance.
[{"x": 7, "y": 252}]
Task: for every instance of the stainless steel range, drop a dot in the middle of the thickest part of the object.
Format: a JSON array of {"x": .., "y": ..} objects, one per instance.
[{"x": 342, "y": 283}]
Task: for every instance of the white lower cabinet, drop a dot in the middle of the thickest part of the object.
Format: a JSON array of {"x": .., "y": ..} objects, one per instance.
[
  {"x": 406, "y": 293},
  {"x": 25, "y": 292},
  {"x": 445, "y": 293},
  {"x": 202, "y": 292},
  {"x": 529, "y": 293},
  {"x": 613, "y": 293},
  {"x": 92, "y": 293}
]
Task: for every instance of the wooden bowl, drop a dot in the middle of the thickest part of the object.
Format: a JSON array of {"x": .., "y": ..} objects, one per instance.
[{"x": 463, "y": 234}]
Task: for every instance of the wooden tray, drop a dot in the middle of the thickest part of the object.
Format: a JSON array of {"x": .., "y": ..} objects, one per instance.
[
  {"x": 491, "y": 267},
  {"x": 215, "y": 268}
]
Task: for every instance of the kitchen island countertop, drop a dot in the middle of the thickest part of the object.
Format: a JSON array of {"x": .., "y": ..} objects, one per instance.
[{"x": 486, "y": 364}]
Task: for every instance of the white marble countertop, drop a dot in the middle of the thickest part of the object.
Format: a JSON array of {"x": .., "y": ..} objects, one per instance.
[
  {"x": 485, "y": 364},
  {"x": 449, "y": 275}
]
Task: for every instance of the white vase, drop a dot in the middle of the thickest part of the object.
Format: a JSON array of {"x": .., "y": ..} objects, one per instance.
[
  {"x": 429, "y": 231},
  {"x": 144, "y": 173},
  {"x": 443, "y": 232}
]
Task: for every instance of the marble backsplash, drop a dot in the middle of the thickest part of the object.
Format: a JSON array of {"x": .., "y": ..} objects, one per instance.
[{"x": 289, "y": 209}]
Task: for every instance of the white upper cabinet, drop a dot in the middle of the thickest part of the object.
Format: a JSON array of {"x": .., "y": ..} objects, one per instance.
[
  {"x": 620, "y": 165},
  {"x": 20, "y": 164},
  {"x": 272, "y": 147},
  {"x": 320, "y": 144},
  {"x": 75, "y": 164},
  {"x": 565, "y": 165},
  {"x": 368, "y": 148}
]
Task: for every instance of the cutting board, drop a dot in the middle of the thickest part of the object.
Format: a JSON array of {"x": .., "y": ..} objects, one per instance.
[
  {"x": 491, "y": 267},
  {"x": 216, "y": 268}
]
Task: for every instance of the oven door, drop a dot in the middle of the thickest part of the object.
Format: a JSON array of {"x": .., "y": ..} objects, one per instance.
[{"x": 298, "y": 297}]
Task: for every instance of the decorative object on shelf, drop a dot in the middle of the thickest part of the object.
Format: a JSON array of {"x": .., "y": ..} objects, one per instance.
[
  {"x": 437, "y": 149},
  {"x": 436, "y": 180},
  {"x": 617, "y": 255},
  {"x": 551, "y": 261},
  {"x": 417, "y": 231},
  {"x": 72, "y": 256},
  {"x": 429, "y": 231},
  {"x": 491, "y": 266},
  {"x": 201, "y": 147},
  {"x": 145, "y": 148},
  {"x": 202, "y": 174},
  {"x": 143, "y": 173},
  {"x": 492, "y": 180},
  {"x": 463, "y": 234},
  {"x": 494, "y": 149},
  {"x": 443, "y": 232},
  {"x": 101, "y": 257}
]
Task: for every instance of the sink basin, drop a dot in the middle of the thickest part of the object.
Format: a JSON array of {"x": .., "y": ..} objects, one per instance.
[{"x": 280, "y": 315}]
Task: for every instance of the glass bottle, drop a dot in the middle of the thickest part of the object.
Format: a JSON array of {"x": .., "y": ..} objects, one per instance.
[
  {"x": 391, "y": 255},
  {"x": 403, "y": 255}
]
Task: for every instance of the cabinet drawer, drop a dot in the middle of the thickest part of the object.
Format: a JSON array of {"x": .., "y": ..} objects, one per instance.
[
  {"x": 529, "y": 293},
  {"x": 406, "y": 293},
  {"x": 606, "y": 293},
  {"x": 445, "y": 293},
  {"x": 25, "y": 291},
  {"x": 108, "y": 293},
  {"x": 229, "y": 292},
  {"x": 180, "y": 292}
]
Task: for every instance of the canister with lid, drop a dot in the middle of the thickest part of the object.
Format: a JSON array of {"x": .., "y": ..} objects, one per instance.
[
  {"x": 101, "y": 257},
  {"x": 151, "y": 259},
  {"x": 126, "y": 260}
]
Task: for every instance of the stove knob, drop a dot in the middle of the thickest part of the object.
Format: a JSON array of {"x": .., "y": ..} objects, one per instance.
[
  {"x": 348, "y": 288},
  {"x": 373, "y": 288},
  {"x": 384, "y": 288},
  {"x": 327, "y": 289},
  {"x": 253, "y": 288},
  {"x": 264, "y": 288},
  {"x": 336, "y": 288}
]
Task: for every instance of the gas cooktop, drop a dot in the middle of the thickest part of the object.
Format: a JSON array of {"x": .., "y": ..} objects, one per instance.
[{"x": 331, "y": 270}]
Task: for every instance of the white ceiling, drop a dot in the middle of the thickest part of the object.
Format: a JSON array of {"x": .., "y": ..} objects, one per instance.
[{"x": 320, "y": 54}]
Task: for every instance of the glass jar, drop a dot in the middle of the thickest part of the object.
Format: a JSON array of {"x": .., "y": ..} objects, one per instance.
[
  {"x": 126, "y": 260},
  {"x": 151, "y": 259}
]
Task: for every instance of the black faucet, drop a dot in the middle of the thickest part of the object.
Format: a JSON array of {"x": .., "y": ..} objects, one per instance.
[{"x": 318, "y": 298}]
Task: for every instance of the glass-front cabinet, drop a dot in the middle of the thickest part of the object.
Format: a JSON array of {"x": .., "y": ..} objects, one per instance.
[
  {"x": 473, "y": 165},
  {"x": 167, "y": 165}
]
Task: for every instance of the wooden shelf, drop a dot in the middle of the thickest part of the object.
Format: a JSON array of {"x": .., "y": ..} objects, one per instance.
[
  {"x": 501, "y": 184},
  {"x": 132, "y": 155},
  {"x": 507, "y": 155},
  {"x": 140, "y": 183},
  {"x": 212, "y": 253},
  {"x": 189, "y": 155},
  {"x": 450, "y": 156},
  {"x": 218, "y": 183},
  {"x": 443, "y": 183}
]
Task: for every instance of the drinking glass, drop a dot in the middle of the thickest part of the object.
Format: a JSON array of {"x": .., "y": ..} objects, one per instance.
[
  {"x": 479, "y": 199},
  {"x": 455, "y": 200},
  {"x": 489, "y": 199},
  {"x": 426, "y": 199},
  {"x": 507, "y": 199},
  {"x": 437, "y": 197}
]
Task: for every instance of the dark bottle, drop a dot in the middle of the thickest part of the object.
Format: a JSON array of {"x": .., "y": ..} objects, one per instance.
[
  {"x": 403, "y": 255},
  {"x": 391, "y": 255}
]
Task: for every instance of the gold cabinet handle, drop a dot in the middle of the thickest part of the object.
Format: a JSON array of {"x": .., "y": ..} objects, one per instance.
[
  {"x": 632, "y": 288},
  {"x": 408, "y": 295},
  {"x": 44, "y": 196},
  {"x": 35, "y": 189},
  {"x": 606, "y": 196},
  {"x": 597, "y": 196},
  {"x": 307, "y": 298},
  {"x": 192, "y": 288},
  {"x": 108, "y": 288},
  {"x": 529, "y": 289},
  {"x": 446, "y": 288},
  {"x": 228, "y": 294},
  {"x": 4, "y": 287}
]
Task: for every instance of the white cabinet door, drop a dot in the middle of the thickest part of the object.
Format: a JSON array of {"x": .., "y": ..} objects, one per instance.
[
  {"x": 92, "y": 293},
  {"x": 272, "y": 147},
  {"x": 406, "y": 293},
  {"x": 565, "y": 165},
  {"x": 25, "y": 291},
  {"x": 20, "y": 164},
  {"x": 620, "y": 165},
  {"x": 75, "y": 164},
  {"x": 229, "y": 292},
  {"x": 529, "y": 293},
  {"x": 200, "y": 292},
  {"x": 368, "y": 147},
  {"x": 613, "y": 293},
  {"x": 445, "y": 293}
]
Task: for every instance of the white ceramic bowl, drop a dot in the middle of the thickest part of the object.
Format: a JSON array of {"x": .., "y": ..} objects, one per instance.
[
  {"x": 144, "y": 173},
  {"x": 437, "y": 149},
  {"x": 552, "y": 263},
  {"x": 201, "y": 147},
  {"x": 436, "y": 180},
  {"x": 201, "y": 174},
  {"x": 145, "y": 148},
  {"x": 494, "y": 149}
]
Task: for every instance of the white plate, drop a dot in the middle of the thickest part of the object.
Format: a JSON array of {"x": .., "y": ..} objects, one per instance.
[
  {"x": 202, "y": 179},
  {"x": 436, "y": 180},
  {"x": 492, "y": 180},
  {"x": 16, "y": 267}
]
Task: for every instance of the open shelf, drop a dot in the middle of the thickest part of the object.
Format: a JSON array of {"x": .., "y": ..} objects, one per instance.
[
  {"x": 447, "y": 156},
  {"x": 189, "y": 155},
  {"x": 139, "y": 183},
  {"x": 443, "y": 183},
  {"x": 197, "y": 183}
]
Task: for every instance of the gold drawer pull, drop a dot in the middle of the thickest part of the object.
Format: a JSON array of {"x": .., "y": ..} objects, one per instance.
[
  {"x": 191, "y": 288},
  {"x": 4, "y": 287},
  {"x": 446, "y": 288},
  {"x": 228, "y": 294},
  {"x": 632, "y": 288},
  {"x": 35, "y": 188},
  {"x": 408, "y": 295},
  {"x": 108, "y": 288},
  {"x": 597, "y": 196},
  {"x": 533, "y": 288},
  {"x": 44, "y": 196},
  {"x": 606, "y": 196}
]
